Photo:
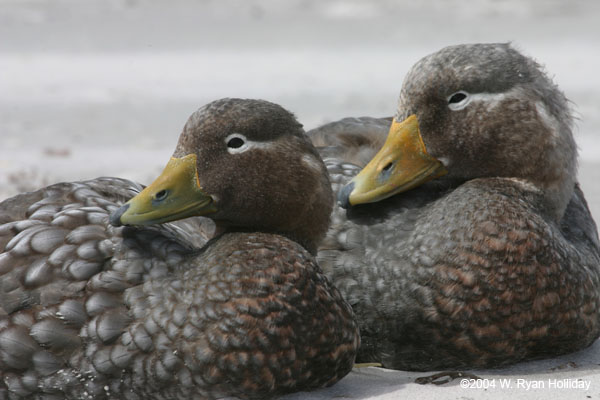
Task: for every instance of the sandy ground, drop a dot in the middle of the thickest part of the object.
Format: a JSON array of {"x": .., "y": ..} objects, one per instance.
[{"x": 103, "y": 87}]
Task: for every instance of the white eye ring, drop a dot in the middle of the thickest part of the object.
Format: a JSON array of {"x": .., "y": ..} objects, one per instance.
[
  {"x": 236, "y": 143},
  {"x": 458, "y": 100}
]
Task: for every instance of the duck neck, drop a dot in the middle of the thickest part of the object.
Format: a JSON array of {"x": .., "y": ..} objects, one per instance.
[
  {"x": 556, "y": 197},
  {"x": 304, "y": 240},
  {"x": 551, "y": 199}
]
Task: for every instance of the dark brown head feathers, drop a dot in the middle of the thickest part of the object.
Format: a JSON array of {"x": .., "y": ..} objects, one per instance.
[
  {"x": 255, "y": 160},
  {"x": 486, "y": 110}
]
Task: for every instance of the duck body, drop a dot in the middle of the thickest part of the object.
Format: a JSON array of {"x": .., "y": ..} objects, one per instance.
[
  {"x": 497, "y": 286},
  {"x": 94, "y": 310},
  {"x": 474, "y": 269}
]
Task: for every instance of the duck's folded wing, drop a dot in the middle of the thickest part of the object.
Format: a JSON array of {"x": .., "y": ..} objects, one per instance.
[
  {"x": 351, "y": 140},
  {"x": 63, "y": 267}
]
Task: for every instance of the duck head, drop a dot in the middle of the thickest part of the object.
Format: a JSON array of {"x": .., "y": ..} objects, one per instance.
[
  {"x": 246, "y": 164},
  {"x": 475, "y": 111}
]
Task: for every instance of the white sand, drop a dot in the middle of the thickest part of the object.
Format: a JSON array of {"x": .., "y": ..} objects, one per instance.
[{"x": 103, "y": 87}]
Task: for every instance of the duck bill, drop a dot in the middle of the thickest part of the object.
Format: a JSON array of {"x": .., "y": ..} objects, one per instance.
[
  {"x": 400, "y": 165},
  {"x": 175, "y": 194}
]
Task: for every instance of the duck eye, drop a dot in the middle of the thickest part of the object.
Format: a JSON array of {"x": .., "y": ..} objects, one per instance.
[
  {"x": 457, "y": 97},
  {"x": 458, "y": 100},
  {"x": 160, "y": 196},
  {"x": 235, "y": 142}
]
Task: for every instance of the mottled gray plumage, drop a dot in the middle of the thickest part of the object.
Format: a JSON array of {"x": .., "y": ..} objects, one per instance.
[
  {"x": 496, "y": 262},
  {"x": 89, "y": 310}
]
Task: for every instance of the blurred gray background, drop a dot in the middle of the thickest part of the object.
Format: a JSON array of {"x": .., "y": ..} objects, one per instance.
[{"x": 103, "y": 87}]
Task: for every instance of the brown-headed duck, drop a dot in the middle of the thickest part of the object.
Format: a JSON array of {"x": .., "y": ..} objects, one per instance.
[
  {"x": 467, "y": 242},
  {"x": 92, "y": 309}
]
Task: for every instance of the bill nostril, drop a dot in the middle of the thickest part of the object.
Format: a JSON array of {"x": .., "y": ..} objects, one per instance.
[
  {"x": 387, "y": 167},
  {"x": 160, "y": 196},
  {"x": 386, "y": 172}
]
